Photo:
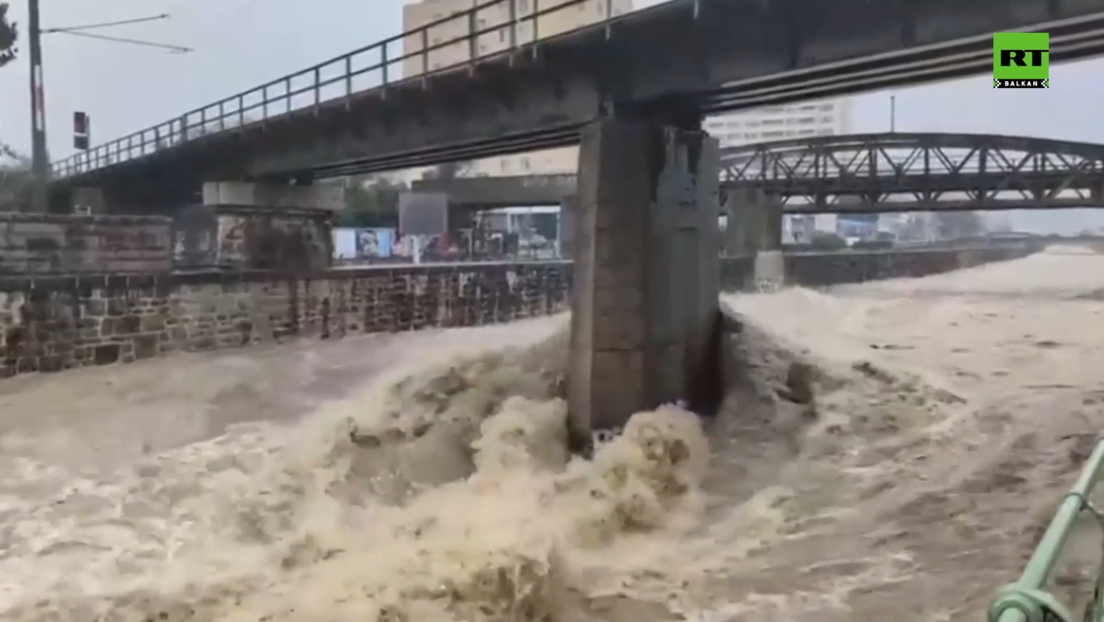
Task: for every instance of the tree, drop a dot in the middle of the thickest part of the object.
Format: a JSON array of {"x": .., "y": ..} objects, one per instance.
[
  {"x": 373, "y": 200},
  {"x": 9, "y": 36},
  {"x": 827, "y": 242},
  {"x": 15, "y": 180}
]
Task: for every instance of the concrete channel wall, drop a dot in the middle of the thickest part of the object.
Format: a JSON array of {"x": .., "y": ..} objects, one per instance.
[{"x": 54, "y": 322}]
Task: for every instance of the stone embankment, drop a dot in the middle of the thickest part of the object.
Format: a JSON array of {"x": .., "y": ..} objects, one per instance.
[{"x": 50, "y": 321}]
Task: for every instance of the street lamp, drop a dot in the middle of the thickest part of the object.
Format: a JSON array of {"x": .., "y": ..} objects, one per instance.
[{"x": 40, "y": 164}]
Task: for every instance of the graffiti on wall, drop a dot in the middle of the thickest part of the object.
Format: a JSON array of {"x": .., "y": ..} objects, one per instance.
[{"x": 264, "y": 241}]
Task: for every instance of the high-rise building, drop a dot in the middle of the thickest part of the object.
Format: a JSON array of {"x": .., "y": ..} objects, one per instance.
[
  {"x": 771, "y": 123},
  {"x": 491, "y": 41}
]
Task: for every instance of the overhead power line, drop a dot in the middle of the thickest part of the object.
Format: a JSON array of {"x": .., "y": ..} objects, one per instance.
[
  {"x": 124, "y": 22},
  {"x": 40, "y": 167},
  {"x": 175, "y": 49}
]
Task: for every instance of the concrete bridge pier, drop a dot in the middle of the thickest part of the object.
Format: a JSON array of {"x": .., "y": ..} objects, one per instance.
[
  {"x": 645, "y": 312},
  {"x": 755, "y": 229},
  {"x": 754, "y": 222},
  {"x": 260, "y": 225},
  {"x": 569, "y": 207}
]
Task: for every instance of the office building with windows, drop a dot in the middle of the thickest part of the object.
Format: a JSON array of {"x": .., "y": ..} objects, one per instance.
[
  {"x": 771, "y": 123},
  {"x": 496, "y": 35}
]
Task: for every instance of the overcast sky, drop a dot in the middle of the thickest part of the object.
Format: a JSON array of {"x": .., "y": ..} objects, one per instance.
[{"x": 242, "y": 43}]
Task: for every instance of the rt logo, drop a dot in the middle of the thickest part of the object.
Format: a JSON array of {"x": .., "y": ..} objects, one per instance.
[{"x": 1021, "y": 60}]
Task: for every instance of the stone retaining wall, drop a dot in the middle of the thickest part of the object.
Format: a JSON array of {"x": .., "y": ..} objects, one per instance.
[
  {"x": 50, "y": 323},
  {"x": 823, "y": 269},
  {"x": 54, "y": 323},
  {"x": 68, "y": 244}
]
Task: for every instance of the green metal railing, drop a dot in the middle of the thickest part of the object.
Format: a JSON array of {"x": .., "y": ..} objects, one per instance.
[{"x": 1026, "y": 600}]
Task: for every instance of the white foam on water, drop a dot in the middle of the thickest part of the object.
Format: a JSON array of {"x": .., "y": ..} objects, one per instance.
[{"x": 890, "y": 450}]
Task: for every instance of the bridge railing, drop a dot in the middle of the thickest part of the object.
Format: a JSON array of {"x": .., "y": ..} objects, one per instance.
[
  {"x": 490, "y": 30},
  {"x": 1026, "y": 600}
]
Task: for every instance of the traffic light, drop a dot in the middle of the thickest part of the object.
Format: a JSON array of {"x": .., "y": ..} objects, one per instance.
[{"x": 80, "y": 130}]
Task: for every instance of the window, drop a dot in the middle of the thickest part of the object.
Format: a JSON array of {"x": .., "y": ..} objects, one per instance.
[{"x": 523, "y": 6}]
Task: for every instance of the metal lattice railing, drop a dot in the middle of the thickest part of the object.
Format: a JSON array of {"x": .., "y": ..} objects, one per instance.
[
  {"x": 488, "y": 31},
  {"x": 1026, "y": 600}
]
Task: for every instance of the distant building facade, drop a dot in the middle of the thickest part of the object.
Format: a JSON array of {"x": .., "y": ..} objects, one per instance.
[
  {"x": 771, "y": 123},
  {"x": 493, "y": 40}
]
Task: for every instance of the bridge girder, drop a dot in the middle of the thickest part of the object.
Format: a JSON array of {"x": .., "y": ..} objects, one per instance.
[{"x": 898, "y": 172}]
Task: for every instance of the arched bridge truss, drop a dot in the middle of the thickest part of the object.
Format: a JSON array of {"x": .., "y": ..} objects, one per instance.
[{"x": 903, "y": 172}]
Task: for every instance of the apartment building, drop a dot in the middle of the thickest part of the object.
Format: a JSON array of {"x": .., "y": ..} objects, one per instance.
[
  {"x": 771, "y": 123},
  {"x": 496, "y": 34}
]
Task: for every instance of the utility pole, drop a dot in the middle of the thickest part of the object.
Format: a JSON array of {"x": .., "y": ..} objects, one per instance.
[
  {"x": 40, "y": 159},
  {"x": 40, "y": 163},
  {"x": 892, "y": 113}
]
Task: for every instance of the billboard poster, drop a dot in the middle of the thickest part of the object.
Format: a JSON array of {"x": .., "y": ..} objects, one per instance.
[
  {"x": 345, "y": 243},
  {"x": 374, "y": 242}
]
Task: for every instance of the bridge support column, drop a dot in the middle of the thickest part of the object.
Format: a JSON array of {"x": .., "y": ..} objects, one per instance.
[
  {"x": 645, "y": 310},
  {"x": 261, "y": 226},
  {"x": 754, "y": 222},
  {"x": 755, "y": 229},
  {"x": 569, "y": 208}
]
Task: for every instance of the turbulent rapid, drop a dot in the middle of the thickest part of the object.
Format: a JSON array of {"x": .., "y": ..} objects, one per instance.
[{"x": 889, "y": 450}]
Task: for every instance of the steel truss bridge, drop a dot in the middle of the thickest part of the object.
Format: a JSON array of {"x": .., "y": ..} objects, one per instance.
[
  {"x": 903, "y": 172},
  {"x": 863, "y": 173}
]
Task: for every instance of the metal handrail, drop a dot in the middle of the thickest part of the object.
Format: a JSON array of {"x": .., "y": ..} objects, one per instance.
[
  {"x": 234, "y": 113},
  {"x": 1025, "y": 600}
]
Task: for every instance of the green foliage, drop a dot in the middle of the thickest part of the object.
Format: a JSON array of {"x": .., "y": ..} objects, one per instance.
[
  {"x": 827, "y": 242},
  {"x": 373, "y": 201},
  {"x": 15, "y": 180},
  {"x": 9, "y": 36}
]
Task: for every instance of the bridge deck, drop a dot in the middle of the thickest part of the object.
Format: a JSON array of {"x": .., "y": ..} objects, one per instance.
[{"x": 675, "y": 59}]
